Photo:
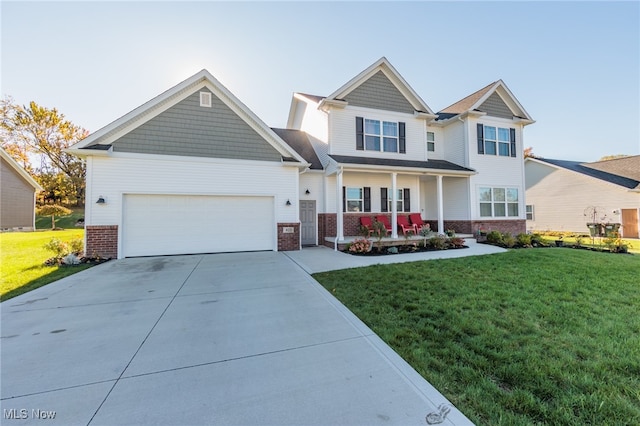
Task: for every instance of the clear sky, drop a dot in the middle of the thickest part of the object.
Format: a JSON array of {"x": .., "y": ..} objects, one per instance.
[{"x": 574, "y": 66}]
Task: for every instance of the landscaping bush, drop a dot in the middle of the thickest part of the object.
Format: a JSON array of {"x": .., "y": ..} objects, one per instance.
[
  {"x": 523, "y": 240},
  {"x": 508, "y": 240},
  {"x": 62, "y": 248},
  {"x": 494, "y": 237},
  {"x": 360, "y": 245},
  {"x": 438, "y": 242}
]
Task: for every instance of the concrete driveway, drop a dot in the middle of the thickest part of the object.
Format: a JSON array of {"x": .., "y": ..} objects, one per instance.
[{"x": 239, "y": 339}]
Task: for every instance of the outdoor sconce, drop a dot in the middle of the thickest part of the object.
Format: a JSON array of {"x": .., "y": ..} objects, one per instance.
[
  {"x": 288, "y": 203},
  {"x": 101, "y": 200},
  {"x": 307, "y": 192}
]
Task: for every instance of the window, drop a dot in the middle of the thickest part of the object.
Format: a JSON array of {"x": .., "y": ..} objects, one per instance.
[
  {"x": 496, "y": 141},
  {"x": 381, "y": 136},
  {"x": 529, "y": 211},
  {"x": 355, "y": 199},
  {"x": 498, "y": 202},
  {"x": 403, "y": 199},
  {"x": 431, "y": 142}
]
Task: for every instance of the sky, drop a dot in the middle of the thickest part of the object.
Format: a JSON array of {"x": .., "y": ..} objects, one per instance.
[{"x": 573, "y": 66}]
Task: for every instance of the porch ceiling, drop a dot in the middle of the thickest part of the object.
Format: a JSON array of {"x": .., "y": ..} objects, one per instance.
[{"x": 437, "y": 167}]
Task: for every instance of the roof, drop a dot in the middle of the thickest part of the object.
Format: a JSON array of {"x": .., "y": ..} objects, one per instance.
[
  {"x": 299, "y": 141},
  {"x": 19, "y": 170},
  {"x": 628, "y": 167},
  {"x": 586, "y": 169},
  {"x": 475, "y": 100},
  {"x": 101, "y": 140},
  {"x": 439, "y": 165}
]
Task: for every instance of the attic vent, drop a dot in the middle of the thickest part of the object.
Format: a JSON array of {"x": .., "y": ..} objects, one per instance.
[{"x": 205, "y": 99}]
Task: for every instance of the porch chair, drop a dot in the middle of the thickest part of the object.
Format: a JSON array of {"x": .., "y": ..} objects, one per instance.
[
  {"x": 367, "y": 223},
  {"x": 404, "y": 224},
  {"x": 416, "y": 219},
  {"x": 383, "y": 220}
]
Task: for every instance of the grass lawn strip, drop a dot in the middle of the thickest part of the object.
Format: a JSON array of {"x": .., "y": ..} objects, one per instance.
[
  {"x": 538, "y": 336},
  {"x": 22, "y": 256}
]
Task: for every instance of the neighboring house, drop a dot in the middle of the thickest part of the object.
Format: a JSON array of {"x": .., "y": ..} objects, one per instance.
[
  {"x": 562, "y": 195},
  {"x": 194, "y": 170},
  {"x": 17, "y": 196}
]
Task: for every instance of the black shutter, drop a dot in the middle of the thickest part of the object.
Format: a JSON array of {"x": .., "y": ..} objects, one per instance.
[
  {"x": 384, "y": 200},
  {"x": 359, "y": 134},
  {"x": 344, "y": 199},
  {"x": 407, "y": 200},
  {"x": 512, "y": 134},
  {"x": 480, "y": 138},
  {"x": 402, "y": 140},
  {"x": 367, "y": 199}
]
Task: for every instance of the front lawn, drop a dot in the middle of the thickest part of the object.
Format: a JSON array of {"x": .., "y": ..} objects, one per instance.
[
  {"x": 21, "y": 259},
  {"x": 65, "y": 222},
  {"x": 533, "y": 336}
]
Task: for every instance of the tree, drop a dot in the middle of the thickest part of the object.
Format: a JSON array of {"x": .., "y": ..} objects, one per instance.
[
  {"x": 612, "y": 157},
  {"x": 36, "y": 130},
  {"x": 528, "y": 152},
  {"x": 53, "y": 210}
]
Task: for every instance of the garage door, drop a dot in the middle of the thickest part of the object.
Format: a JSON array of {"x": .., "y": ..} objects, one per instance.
[{"x": 181, "y": 224}]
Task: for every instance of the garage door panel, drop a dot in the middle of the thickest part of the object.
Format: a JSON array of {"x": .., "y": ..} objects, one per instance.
[{"x": 181, "y": 224}]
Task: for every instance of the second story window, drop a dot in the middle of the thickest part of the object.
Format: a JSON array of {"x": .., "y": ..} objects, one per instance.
[
  {"x": 496, "y": 141},
  {"x": 431, "y": 142},
  {"x": 380, "y": 136}
]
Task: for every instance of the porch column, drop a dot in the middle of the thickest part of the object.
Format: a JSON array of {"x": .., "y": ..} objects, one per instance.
[
  {"x": 440, "y": 205},
  {"x": 394, "y": 206},
  {"x": 339, "y": 207}
]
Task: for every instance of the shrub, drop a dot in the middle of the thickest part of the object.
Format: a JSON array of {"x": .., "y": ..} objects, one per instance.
[
  {"x": 494, "y": 237},
  {"x": 60, "y": 248},
  {"x": 360, "y": 245},
  {"x": 456, "y": 242},
  {"x": 76, "y": 246},
  {"x": 438, "y": 242},
  {"x": 508, "y": 240},
  {"x": 579, "y": 239},
  {"x": 523, "y": 240}
]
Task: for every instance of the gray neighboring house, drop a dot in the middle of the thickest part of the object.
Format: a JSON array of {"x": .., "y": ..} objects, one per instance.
[
  {"x": 17, "y": 196},
  {"x": 561, "y": 194}
]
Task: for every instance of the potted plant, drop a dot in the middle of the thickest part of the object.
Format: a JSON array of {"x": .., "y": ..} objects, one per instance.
[{"x": 559, "y": 242}]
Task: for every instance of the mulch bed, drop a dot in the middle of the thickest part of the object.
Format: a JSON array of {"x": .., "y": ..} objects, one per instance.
[{"x": 384, "y": 251}]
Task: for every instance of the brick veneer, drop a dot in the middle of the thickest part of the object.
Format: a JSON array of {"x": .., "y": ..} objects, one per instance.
[
  {"x": 102, "y": 241},
  {"x": 514, "y": 227},
  {"x": 288, "y": 242}
]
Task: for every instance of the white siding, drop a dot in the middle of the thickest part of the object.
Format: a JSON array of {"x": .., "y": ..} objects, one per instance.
[
  {"x": 455, "y": 194},
  {"x": 342, "y": 133},
  {"x": 314, "y": 182},
  {"x": 112, "y": 177},
  {"x": 560, "y": 198},
  {"x": 496, "y": 170},
  {"x": 454, "y": 143},
  {"x": 310, "y": 119}
]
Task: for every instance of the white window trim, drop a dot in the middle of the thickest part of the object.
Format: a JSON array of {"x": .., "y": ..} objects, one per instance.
[
  {"x": 432, "y": 142},
  {"x": 206, "y": 99},
  {"x": 381, "y": 135},
  {"x": 347, "y": 199},
  {"x": 497, "y": 140},
  {"x": 493, "y": 202},
  {"x": 400, "y": 199},
  {"x": 532, "y": 212}
]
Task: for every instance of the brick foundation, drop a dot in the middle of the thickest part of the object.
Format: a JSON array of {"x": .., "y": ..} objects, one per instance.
[
  {"x": 288, "y": 241},
  {"x": 514, "y": 227},
  {"x": 102, "y": 241}
]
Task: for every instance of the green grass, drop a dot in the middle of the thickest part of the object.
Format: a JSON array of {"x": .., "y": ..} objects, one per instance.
[
  {"x": 64, "y": 222},
  {"x": 22, "y": 256},
  {"x": 531, "y": 336}
]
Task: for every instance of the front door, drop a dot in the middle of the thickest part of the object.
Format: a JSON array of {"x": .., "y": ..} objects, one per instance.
[
  {"x": 308, "y": 222},
  {"x": 630, "y": 223}
]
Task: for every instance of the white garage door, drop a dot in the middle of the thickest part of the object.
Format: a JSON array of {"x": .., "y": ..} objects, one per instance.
[{"x": 185, "y": 224}]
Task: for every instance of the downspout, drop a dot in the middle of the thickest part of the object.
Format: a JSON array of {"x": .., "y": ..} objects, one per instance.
[{"x": 339, "y": 208}]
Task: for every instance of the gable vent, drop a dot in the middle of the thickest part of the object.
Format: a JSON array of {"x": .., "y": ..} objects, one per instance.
[{"x": 205, "y": 99}]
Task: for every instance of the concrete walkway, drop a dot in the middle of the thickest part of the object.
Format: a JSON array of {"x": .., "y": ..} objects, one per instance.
[
  {"x": 223, "y": 339},
  {"x": 322, "y": 259}
]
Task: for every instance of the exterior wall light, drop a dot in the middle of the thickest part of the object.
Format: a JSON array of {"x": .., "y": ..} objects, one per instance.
[
  {"x": 101, "y": 200},
  {"x": 288, "y": 203}
]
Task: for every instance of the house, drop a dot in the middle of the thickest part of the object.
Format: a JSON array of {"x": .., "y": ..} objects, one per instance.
[
  {"x": 383, "y": 150},
  {"x": 566, "y": 195},
  {"x": 194, "y": 170},
  {"x": 17, "y": 196}
]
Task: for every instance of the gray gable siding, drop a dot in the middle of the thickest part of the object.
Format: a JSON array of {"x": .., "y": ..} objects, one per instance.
[
  {"x": 191, "y": 130},
  {"x": 379, "y": 93},
  {"x": 495, "y": 106}
]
